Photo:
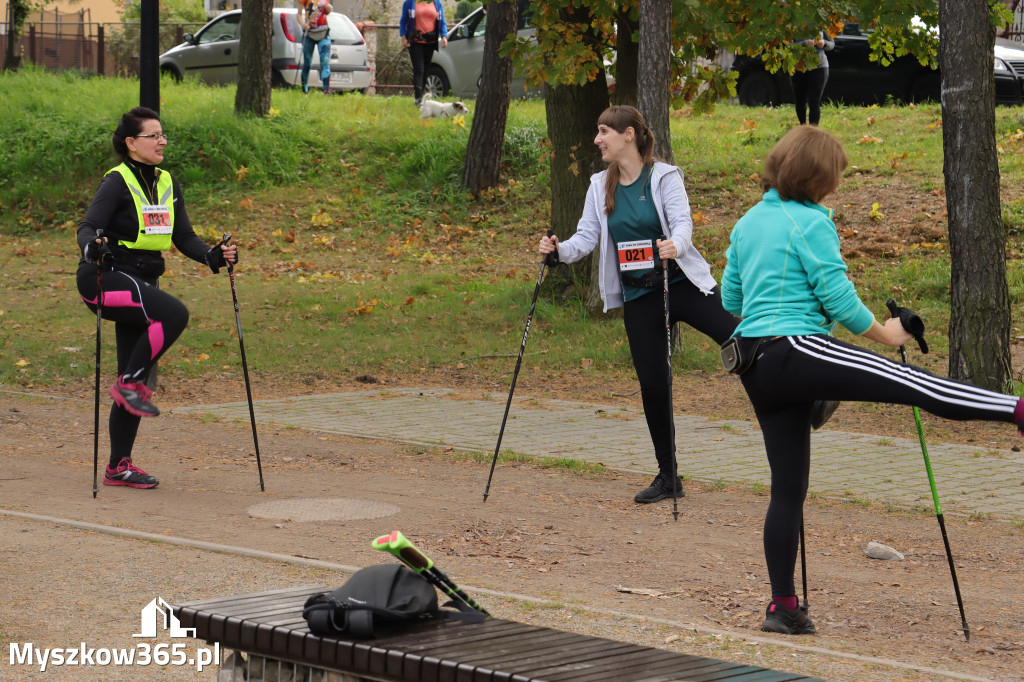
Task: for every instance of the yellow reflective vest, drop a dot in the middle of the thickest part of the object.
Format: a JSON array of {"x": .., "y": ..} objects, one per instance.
[{"x": 156, "y": 221}]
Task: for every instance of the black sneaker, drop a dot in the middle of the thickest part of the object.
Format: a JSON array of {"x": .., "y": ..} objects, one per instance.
[
  {"x": 659, "y": 489},
  {"x": 130, "y": 475},
  {"x": 134, "y": 397},
  {"x": 822, "y": 412},
  {"x": 782, "y": 620}
]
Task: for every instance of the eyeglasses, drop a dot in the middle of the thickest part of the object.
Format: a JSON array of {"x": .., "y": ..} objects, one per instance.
[{"x": 156, "y": 136}]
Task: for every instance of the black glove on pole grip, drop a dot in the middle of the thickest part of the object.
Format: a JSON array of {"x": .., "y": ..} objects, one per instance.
[{"x": 911, "y": 322}]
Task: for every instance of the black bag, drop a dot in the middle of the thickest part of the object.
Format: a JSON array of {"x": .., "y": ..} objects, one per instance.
[
  {"x": 738, "y": 354},
  {"x": 374, "y": 599}
]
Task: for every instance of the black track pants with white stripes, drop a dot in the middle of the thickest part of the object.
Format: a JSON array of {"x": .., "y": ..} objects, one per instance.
[{"x": 789, "y": 374}]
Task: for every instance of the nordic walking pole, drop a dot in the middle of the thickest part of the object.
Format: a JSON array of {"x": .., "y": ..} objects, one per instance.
[
  {"x": 96, "y": 410},
  {"x": 548, "y": 260},
  {"x": 914, "y": 325},
  {"x": 406, "y": 552},
  {"x": 671, "y": 418},
  {"x": 245, "y": 365}
]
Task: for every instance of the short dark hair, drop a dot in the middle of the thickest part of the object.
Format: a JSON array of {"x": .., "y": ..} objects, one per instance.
[
  {"x": 805, "y": 165},
  {"x": 130, "y": 126}
]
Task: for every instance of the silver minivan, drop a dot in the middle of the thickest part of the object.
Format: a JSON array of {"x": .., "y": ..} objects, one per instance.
[
  {"x": 456, "y": 69},
  {"x": 212, "y": 53}
]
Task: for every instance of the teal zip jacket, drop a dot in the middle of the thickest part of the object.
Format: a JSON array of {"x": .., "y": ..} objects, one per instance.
[{"x": 785, "y": 275}]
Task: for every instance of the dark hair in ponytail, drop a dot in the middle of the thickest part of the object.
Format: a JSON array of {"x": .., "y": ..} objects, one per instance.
[
  {"x": 619, "y": 118},
  {"x": 130, "y": 126}
]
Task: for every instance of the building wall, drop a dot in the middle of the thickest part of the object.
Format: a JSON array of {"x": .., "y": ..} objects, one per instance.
[{"x": 99, "y": 11}]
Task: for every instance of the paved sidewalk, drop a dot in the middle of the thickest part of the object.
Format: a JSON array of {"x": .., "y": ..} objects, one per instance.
[{"x": 858, "y": 466}]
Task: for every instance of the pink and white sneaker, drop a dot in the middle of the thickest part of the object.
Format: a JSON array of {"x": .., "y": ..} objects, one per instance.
[
  {"x": 134, "y": 397},
  {"x": 130, "y": 475}
]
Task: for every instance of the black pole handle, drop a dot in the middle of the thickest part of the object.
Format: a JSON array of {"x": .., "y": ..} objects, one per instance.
[
  {"x": 911, "y": 322},
  {"x": 551, "y": 259}
]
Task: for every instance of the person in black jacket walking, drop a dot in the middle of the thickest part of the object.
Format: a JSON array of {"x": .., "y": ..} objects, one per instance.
[{"x": 141, "y": 212}]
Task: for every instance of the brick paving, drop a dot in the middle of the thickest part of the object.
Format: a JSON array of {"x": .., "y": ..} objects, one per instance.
[{"x": 859, "y": 466}]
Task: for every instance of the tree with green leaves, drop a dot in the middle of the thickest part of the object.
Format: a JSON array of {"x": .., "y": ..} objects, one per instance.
[{"x": 575, "y": 36}]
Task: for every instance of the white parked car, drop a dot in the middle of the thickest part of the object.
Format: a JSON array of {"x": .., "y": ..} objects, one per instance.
[{"x": 212, "y": 53}]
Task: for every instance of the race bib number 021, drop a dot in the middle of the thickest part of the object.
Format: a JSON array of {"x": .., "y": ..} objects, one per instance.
[
  {"x": 638, "y": 255},
  {"x": 157, "y": 219}
]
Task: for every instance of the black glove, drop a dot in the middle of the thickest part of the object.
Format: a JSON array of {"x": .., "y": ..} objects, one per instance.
[
  {"x": 97, "y": 253},
  {"x": 911, "y": 321},
  {"x": 215, "y": 259}
]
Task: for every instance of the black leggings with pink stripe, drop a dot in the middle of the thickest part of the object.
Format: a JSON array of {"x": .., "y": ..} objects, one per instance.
[
  {"x": 789, "y": 374},
  {"x": 146, "y": 322}
]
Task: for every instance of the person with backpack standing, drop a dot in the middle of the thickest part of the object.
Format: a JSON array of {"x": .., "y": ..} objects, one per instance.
[
  {"x": 141, "y": 212},
  {"x": 312, "y": 18},
  {"x": 422, "y": 28}
]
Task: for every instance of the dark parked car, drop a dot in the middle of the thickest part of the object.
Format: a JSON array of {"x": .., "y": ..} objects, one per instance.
[{"x": 854, "y": 79}]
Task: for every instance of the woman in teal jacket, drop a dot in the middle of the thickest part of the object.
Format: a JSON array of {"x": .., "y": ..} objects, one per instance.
[{"x": 786, "y": 278}]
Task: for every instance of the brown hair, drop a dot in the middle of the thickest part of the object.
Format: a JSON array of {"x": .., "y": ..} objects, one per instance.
[
  {"x": 619, "y": 118},
  {"x": 805, "y": 165}
]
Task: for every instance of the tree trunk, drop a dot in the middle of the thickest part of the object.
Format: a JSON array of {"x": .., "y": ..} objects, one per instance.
[
  {"x": 979, "y": 325},
  {"x": 572, "y": 113},
  {"x": 626, "y": 60},
  {"x": 254, "y": 58},
  {"x": 655, "y": 72},
  {"x": 17, "y": 12},
  {"x": 487, "y": 136}
]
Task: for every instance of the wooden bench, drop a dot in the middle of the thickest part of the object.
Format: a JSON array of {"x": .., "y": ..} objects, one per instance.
[{"x": 268, "y": 629}]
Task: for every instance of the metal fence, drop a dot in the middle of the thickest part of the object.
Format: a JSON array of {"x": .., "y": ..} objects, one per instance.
[{"x": 67, "y": 41}]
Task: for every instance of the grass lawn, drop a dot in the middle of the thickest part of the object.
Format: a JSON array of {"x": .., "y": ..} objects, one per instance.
[{"x": 360, "y": 255}]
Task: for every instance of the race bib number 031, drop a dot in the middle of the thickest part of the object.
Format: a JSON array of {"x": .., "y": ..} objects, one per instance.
[
  {"x": 638, "y": 255},
  {"x": 157, "y": 219}
]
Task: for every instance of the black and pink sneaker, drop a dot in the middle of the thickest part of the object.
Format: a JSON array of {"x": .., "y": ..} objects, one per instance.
[
  {"x": 779, "y": 619},
  {"x": 134, "y": 397},
  {"x": 130, "y": 475}
]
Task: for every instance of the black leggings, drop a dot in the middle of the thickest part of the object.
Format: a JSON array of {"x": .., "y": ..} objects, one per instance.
[
  {"x": 789, "y": 374},
  {"x": 146, "y": 322},
  {"x": 420, "y": 54},
  {"x": 645, "y": 327},
  {"x": 808, "y": 87}
]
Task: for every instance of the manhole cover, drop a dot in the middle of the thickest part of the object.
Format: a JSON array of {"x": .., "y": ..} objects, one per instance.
[{"x": 336, "y": 509}]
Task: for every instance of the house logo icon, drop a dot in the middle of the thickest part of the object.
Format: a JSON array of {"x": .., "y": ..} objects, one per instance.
[{"x": 159, "y": 611}]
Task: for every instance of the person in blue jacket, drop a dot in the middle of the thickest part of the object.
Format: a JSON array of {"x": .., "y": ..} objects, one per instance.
[
  {"x": 422, "y": 28},
  {"x": 786, "y": 278}
]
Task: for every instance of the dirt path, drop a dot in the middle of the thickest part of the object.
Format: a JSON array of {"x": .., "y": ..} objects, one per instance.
[{"x": 552, "y": 535}]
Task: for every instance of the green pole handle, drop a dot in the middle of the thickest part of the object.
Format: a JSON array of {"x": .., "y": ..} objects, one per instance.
[{"x": 404, "y": 550}]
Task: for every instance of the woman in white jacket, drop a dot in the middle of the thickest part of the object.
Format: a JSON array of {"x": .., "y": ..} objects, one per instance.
[{"x": 638, "y": 215}]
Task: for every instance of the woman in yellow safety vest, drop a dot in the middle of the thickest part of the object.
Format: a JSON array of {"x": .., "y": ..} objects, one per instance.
[{"x": 137, "y": 213}]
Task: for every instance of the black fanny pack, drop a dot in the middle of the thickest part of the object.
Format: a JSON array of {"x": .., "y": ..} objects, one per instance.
[
  {"x": 143, "y": 263},
  {"x": 428, "y": 37},
  {"x": 738, "y": 354}
]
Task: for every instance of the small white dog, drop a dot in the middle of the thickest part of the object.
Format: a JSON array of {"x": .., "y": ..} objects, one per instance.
[{"x": 431, "y": 109}]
